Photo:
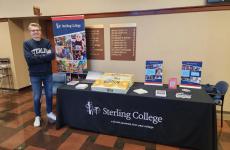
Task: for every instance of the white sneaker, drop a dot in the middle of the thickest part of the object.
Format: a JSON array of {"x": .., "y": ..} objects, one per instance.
[
  {"x": 37, "y": 121},
  {"x": 51, "y": 116}
]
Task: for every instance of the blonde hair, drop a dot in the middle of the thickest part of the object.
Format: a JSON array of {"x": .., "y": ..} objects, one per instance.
[{"x": 34, "y": 25}]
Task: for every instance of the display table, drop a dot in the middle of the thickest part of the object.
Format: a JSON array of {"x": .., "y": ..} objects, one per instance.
[{"x": 187, "y": 123}]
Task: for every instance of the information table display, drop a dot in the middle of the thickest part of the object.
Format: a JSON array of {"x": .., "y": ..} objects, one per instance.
[{"x": 186, "y": 123}]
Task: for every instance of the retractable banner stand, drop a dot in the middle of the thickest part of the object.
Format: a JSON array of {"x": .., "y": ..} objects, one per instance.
[
  {"x": 70, "y": 43},
  {"x": 191, "y": 74},
  {"x": 153, "y": 72}
]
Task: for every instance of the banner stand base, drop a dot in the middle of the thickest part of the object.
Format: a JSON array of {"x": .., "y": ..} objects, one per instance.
[
  {"x": 190, "y": 86},
  {"x": 157, "y": 84}
]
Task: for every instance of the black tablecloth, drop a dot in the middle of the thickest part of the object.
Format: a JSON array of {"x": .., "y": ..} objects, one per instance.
[{"x": 188, "y": 123}]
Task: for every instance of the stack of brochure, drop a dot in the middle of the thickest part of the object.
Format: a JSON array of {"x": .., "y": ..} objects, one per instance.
[
  {"x": 72, "y": 82},
  {"x": 113, "y": 83},
  {"x": 81, "y": 86}
]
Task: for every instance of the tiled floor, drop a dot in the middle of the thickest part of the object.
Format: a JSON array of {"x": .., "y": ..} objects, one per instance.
[{"x": 17, "y": 131}]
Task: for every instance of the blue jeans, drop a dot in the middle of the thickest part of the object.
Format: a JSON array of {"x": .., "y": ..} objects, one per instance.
[{"x": 36, "y": 82}]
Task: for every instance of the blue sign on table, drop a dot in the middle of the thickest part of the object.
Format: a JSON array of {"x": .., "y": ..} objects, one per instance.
[
  {"x": 191, "y": 73},
  {"x": 153, "y": 72}
]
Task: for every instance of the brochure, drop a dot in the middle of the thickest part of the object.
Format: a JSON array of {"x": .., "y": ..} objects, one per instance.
[
  {"x": 153, "y": 72},
  {"x": 191, "y": 74}
]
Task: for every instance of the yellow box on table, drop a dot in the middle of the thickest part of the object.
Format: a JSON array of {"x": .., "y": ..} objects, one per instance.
[{"x": 113, "y": 83}]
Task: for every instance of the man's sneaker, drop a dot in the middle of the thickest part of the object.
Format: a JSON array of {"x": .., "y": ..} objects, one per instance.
[
  {"x": 51, "y": 116},
  {"x": 37, "y": 121}
]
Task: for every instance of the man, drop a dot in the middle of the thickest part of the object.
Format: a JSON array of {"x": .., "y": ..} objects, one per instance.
[{"x": 38, "y": 55}]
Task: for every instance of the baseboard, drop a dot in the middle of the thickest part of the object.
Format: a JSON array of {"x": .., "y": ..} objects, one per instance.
[
  {"x": 9, "y": 89},
  {"x": 224, "y": 112},
  {"x": 29, "y": 87},
  {"x": 17, "y": 90}
]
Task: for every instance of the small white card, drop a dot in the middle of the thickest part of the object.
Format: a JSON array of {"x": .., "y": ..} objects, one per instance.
[
  {"x": 186, "y": 90},
  {"x": 161, "y": 93},
  {"x": 140, "y": 91},
  {"x": 72, "y": 82},
  {"x": 183, "y": 95},
  {"x": 81, "y": 86}
]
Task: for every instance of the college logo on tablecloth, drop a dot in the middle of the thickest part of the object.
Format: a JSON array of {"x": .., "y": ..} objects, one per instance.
[{"x": 91, "y": 109}]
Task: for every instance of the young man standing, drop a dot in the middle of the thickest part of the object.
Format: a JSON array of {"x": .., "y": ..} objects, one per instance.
[{"x": 38, "y": 55}]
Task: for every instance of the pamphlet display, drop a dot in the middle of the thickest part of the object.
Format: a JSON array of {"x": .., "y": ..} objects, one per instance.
[
  {"x": 113, "y": 83},
  {"x": 70, "y": 43},
  {"x": 153, "y": 72},
  {"x": 191, "y": 74}
]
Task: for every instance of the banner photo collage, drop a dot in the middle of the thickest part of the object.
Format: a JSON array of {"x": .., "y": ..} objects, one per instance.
[{"x": 70, "y": 43}]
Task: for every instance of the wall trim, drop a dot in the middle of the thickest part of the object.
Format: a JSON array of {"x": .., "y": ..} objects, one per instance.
[
  {"x": 189, "y": 9},
  {"x": 3, "y": 20},
  {"x": 160, "y": 11}
]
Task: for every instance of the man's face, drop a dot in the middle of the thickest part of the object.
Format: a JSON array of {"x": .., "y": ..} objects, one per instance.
[{"x": 35, "y": 33}]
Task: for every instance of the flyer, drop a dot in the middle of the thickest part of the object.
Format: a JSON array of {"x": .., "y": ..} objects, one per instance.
[
  {"x": 191, "y": 74},
  {"x": 153, "y": 72}
]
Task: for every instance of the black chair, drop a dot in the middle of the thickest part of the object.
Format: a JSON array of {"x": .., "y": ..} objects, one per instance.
[{"x": 218, "y": 94}]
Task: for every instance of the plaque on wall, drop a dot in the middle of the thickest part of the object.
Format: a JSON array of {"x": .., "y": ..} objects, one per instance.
[
  {"x": 123, "y": 41},
  {"x": 95, "y": 42}
]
